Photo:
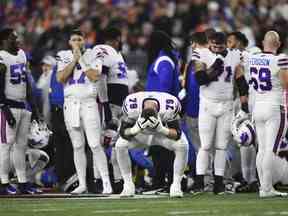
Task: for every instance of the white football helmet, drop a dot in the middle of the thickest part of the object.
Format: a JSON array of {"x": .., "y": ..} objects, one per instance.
[
  {"x": 243, "y": 131},
  {"x": 39, "y": 134},
  {"x": 109, "y": 137}
]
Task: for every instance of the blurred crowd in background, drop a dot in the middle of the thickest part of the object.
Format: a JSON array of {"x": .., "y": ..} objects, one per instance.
[{"x": 44, "y": 25}]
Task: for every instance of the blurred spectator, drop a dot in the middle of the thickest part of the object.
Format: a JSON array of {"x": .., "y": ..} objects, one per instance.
[{"x": 43, "y": 83}]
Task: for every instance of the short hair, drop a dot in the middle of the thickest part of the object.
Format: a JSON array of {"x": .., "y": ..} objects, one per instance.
[
  {"x": 199, "y": 38},
  {"x": 111, "y": 33},
  {"x": 76, "y": 31},
  {"x": 219, "y": 38},
  {"x": 240, "y": 37},
  {"x": 209, "y": 32},
  {"x": 4, "y": 34}
]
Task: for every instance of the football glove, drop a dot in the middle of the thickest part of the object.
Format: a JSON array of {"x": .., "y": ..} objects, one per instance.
[
  {"x": 158, "y": 125},
  {"x": 9, "y": 116},
  {"x": 216, "y": 69}
]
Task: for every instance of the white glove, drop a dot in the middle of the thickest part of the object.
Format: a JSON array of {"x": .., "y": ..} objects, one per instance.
[
  {"x": 139, "y": 125},
  {"x": 182, "y": 94},
  {"x": 158, "y": 126},
  {"x": 84, "y": 62}
]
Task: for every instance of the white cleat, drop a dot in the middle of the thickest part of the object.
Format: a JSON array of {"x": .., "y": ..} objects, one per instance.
[
  {"x": 175, "y": 191},
  {"x": 79, "y": 190},
  {"x": 107, "y": 189},
  {"x": 271, "y": 193},
  {"x": 128, "y": 190}
]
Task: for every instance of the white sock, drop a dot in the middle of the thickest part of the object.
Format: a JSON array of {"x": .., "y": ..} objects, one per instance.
[
  {"x": 20, "y": 162},
  {"x": 259, "y": 159},
  {"x": 248, "y": 163},
  {"x": 4, "y": 162},
  {"x": 219, "y": 162},
  {"x": 267, "y": 170},
  {"x": 124, "y": 163},
  {"x": 80, "y": 162},
  {"x": 180, "y": 162},
  {"x": 96, "y": 171},
  {"x": 100, "y": 160},
  {"x": 202, "y": 162},
  {"x": 115, "y": 165}
]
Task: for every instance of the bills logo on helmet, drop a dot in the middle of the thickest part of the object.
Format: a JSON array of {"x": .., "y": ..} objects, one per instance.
[
  {"x": 39, "y": 135},
  {"x": 243, "y": 132}
]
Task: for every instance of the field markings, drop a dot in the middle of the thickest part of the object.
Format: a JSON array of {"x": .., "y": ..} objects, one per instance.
[
  {"x": 276, "y": 213},
  {"x": 192, "y": 212},
  {"x": 116, "y": 211}
]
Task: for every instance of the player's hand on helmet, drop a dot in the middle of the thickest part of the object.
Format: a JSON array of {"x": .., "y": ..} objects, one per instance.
[{"x": 8, "y": 115}]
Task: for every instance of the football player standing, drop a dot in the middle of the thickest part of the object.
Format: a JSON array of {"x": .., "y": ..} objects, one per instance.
[
  {"x": 79, "y": 70},
  {"x": 269, "y": 78},
  {"x": 15, "y": 117}
]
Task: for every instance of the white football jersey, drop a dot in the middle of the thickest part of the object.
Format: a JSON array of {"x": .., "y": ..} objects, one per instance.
[
  {"x": 264, "y": 70},
  {"x": 78, "y": 85},
  {"x": 222, "y": 89},
  {"x": 114, "y": 60},
  {"x": 169, "y": 106},
  {"x": 15, "y": 78}
]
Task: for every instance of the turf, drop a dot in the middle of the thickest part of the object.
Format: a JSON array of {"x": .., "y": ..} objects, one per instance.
[{"x": 206, "y": 204}]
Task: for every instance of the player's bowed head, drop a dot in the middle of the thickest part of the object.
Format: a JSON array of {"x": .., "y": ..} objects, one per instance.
[{"x": 150, "y": 119}]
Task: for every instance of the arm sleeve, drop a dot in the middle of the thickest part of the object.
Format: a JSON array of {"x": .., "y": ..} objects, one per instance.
[{"x": 283, "y": 62}]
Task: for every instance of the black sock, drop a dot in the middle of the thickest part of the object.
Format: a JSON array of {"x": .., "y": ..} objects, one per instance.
[{"x": 218, "y": 180}]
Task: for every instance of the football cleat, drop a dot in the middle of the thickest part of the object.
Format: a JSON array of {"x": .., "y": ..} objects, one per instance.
[
  {"x": 175, "y": 191},
  {"x": 271, "y": 193},
  {"x": 27, "y": 188},
  {"x": 128, "y": 190},
  {"x": 79, "y": 190},
  {"x": 219, "y": 189},
  {"x": 9, "y": 190}
]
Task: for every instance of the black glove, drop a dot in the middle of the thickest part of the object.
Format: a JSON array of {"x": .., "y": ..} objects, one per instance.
[
  {"x": 9, "y": 116},
  {"x": 216, "y": 69}
]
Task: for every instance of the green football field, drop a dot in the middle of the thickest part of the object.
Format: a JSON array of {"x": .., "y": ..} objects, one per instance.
[{"x": 206, "y": 204}]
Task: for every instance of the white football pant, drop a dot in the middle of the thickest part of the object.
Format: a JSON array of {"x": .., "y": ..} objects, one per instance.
[
  {"x": 270, "y": 121},
  {"x": 83, "y": 117},
  {"x": 17, "y": 136},
  {"x": 214, "y": 130}
]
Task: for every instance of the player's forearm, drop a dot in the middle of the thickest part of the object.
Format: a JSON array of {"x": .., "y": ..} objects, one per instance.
[{"x": 63, "y": 75}]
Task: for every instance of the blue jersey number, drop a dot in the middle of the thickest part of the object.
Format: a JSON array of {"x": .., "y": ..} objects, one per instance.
[
  {"x": 122, "y": 69},
  {"x": 81, "y": 79},
  {"x": 17, "y": 73},
  {"x": 261, "y": 79}
]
